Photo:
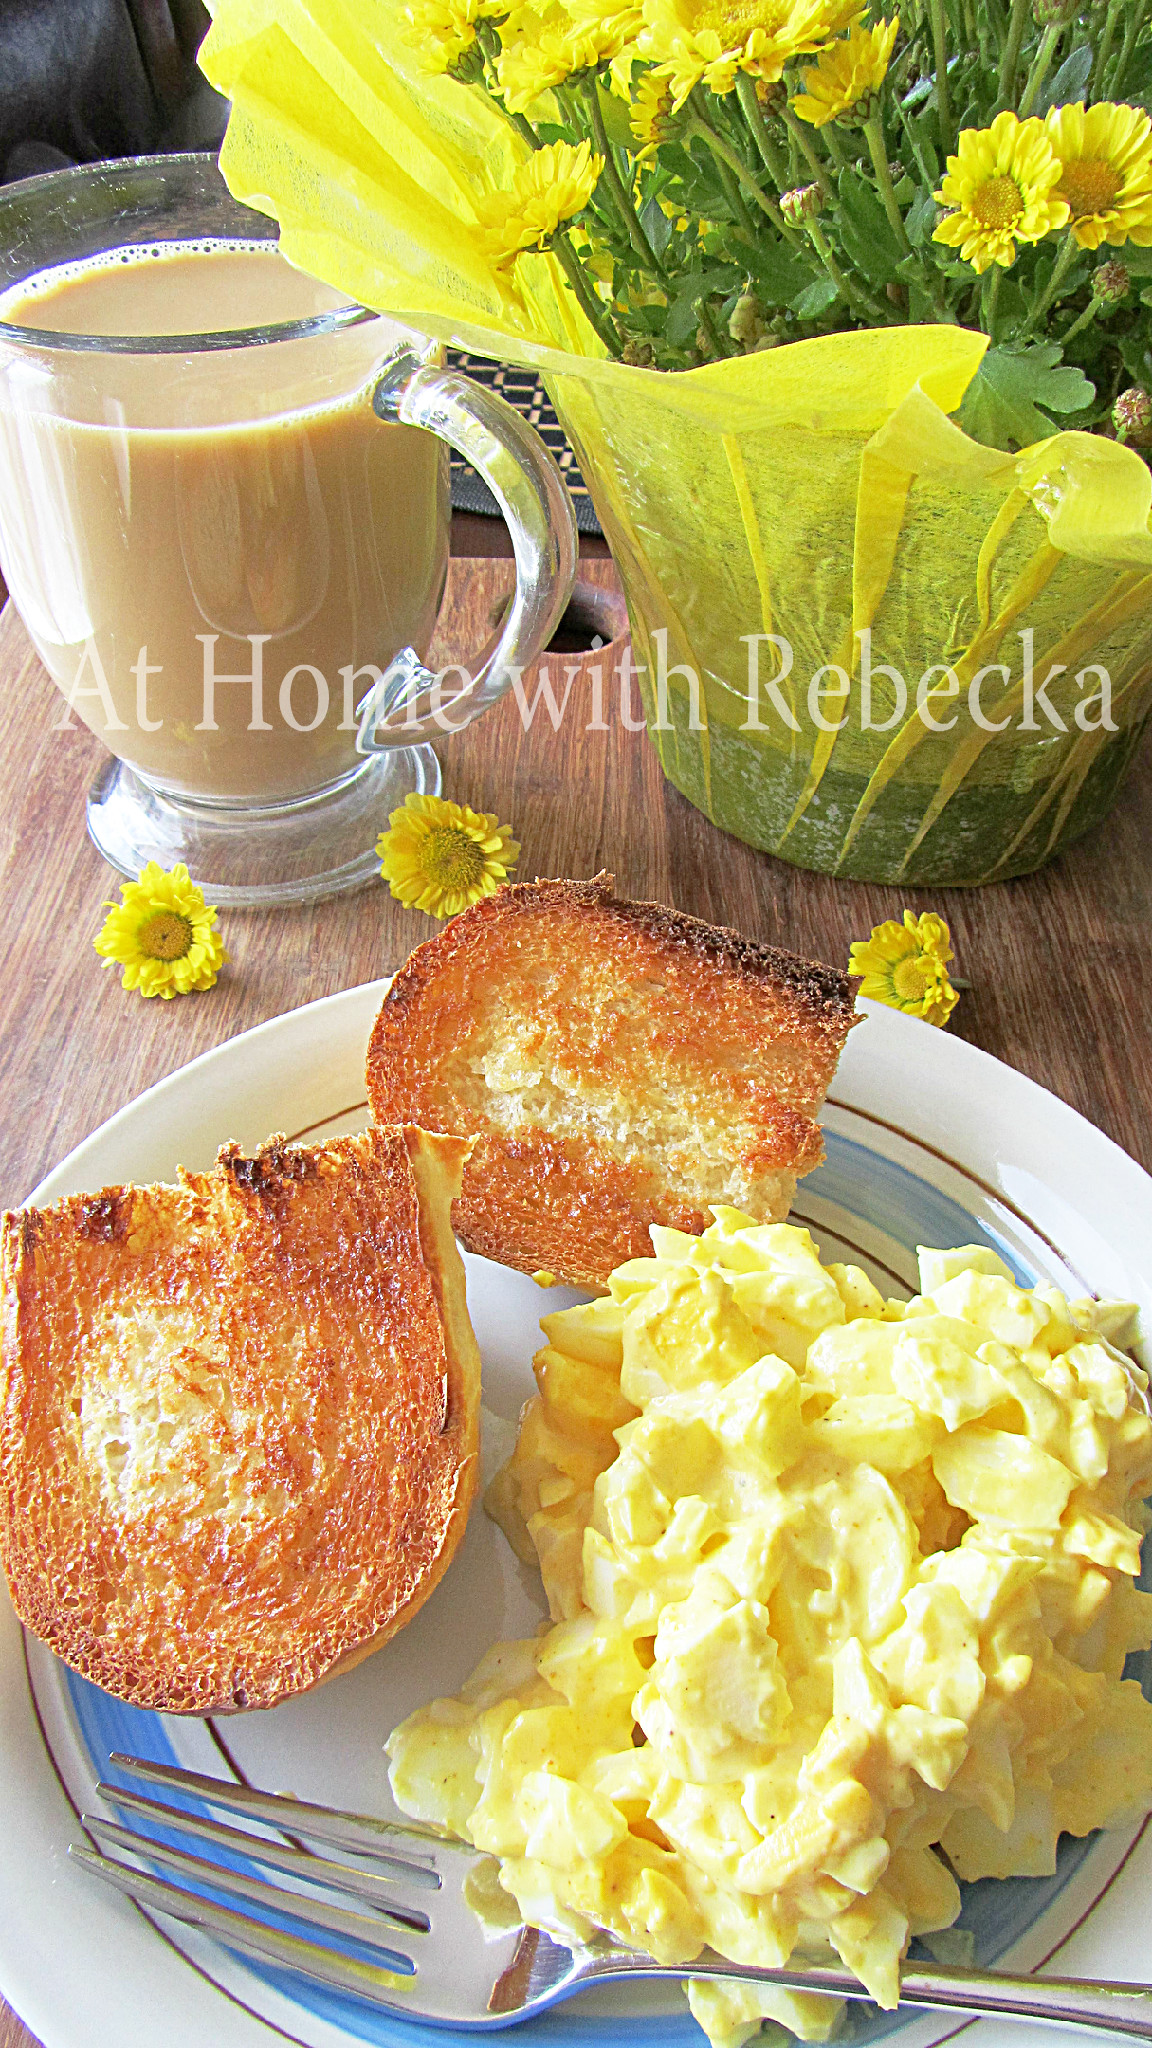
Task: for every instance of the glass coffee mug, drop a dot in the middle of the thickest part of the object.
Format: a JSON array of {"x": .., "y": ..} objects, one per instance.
[{"x": 224, "y": 519}]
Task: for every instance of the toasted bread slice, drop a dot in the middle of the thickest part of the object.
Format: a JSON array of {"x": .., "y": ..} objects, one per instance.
[
  {"x": 618, "y": 1064},
  {"x": 239, "y": 1431}
]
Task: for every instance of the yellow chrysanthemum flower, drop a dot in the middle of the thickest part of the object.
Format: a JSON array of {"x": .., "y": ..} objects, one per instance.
[
  {"x": 542, "y": 47},
  {"x": 605, "y": 36},
  {"x": 531, "y": 64},
  {"x": 651, "y": 112},
  {"x": 1002, "y": 186},
  {"x": 709, "y": 42},
  {"x": 526, "y": 70},
  {"x": 162, "y": 934},
  {"x": 1105, "y": 155},
  {"x": 443, "y": 32},
  {"x": 906, "y": 966},
  {"x": 846, "y": 75},
  {"x": 553, "y": 186},
  {"x": 439, "y": 856},
  {"x": 840, "y": 15}
]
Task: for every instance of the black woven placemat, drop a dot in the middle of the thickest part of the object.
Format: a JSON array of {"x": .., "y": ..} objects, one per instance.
[{"x": 523, "y": 389}]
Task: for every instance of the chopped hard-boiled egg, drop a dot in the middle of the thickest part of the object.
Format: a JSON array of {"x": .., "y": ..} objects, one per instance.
[{"x": 836, "y": 1583}]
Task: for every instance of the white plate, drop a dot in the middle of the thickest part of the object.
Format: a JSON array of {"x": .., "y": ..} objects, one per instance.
[{"x": 929, "y": 1141}]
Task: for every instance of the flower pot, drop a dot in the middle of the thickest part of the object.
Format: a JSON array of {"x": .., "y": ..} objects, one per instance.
[
  {"x": 804, "y": 495},
  {"x": 815, "y": 501}
]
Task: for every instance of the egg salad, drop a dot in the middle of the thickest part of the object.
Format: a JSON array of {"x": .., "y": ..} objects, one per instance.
[{"x": 837, "y": 1584}]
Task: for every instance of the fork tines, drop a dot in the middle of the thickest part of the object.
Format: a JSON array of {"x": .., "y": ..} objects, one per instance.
[{"x": 364, "y": 1962}]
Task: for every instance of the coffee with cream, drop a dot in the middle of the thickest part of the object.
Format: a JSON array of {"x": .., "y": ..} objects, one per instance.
[{"x": 215, "y": 552}]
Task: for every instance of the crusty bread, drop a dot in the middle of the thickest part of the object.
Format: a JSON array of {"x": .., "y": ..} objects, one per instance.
[
  {"x": 239, "y": 1423},
  {"x": 618, "y": 1065}
]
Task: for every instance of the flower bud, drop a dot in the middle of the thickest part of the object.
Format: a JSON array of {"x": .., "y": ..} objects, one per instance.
[
  {"x": 640, "y": 354},
  {"x": 1046, "y": 13},
  {"x": 801, "y": 205},
  {"x": 1132, "y": 416},
  {"x": 1111, "y": 283},
  {"x": 746, "y": 322}
]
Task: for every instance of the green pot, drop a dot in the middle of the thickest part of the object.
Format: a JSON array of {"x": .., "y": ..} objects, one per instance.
[{"x": 870, "y": 533}]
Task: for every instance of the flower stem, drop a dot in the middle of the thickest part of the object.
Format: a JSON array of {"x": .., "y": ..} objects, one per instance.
[
  {"x": 1010, "y": 56},
  {"x": 523, "y": 129},
  {"x": 724, "y": 152},
  {"x": 928, "y": 176},
  {"x": 815, "y": 163},
  {"x": 1085, "y": 320},
  {"x": 874, "y": 137},
  {"x": 988, "y": 298},
  {"x": 1068, "y": 252},
  {"x": 939, "y": 21},
  {"x": 624, "y": 206},
  {"x": 594, "y": 312},
  {"x": 712, "y": 331},
  {"x": 735, "y": 198},
  {"x": 1137, "y": 10},
  {"x": 860, "y": 301},
  {"x": 1107, "y": 38},
  {"x": 1041, "y": 63},
  {"x": 835, "y": 146},
  {"x": 774, "y": 162}
]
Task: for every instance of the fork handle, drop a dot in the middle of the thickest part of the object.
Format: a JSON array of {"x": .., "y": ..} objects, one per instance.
[{"x": 1124, "y": 2009}]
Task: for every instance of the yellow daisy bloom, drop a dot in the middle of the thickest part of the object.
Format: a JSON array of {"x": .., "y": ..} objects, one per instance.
[
  {"x": 1002, "y": 186},
  {"x": 439, "y": 856},
  {"x": 553, "y": 186},
  {"x": 905, "y": 966},
  {"x": 841, "y": 14},
  {"x": 708, "y": 42},
  {"x": 604, "y": 35},
  {"x": 162, "y": 934},
  {"x": 1105, "y": 155},
  {"x": 847, "y": 73},
  {"x": 527, "y": 69},
  {"x": 443, "y": 32},
  {"x": 651, "y": 112},
  {"x": 541, "y": 55}
]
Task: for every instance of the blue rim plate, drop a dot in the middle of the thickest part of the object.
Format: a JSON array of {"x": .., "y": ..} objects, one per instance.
[{"x": 928, "y": 1141}]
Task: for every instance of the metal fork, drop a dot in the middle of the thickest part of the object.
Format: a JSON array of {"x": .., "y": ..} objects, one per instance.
[{"x": 430, "y": 1956}]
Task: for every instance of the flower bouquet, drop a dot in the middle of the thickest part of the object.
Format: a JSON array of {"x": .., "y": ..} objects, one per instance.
[{"x": 849, "y": 318}]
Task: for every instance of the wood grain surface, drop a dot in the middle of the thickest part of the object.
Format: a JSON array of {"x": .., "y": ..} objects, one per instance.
[{"x": 1060, "y": 964}]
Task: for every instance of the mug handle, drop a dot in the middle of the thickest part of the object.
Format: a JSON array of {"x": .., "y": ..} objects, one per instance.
[{"x": 408, "y": 704}]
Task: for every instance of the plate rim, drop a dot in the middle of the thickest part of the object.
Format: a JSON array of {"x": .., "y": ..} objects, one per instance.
[{"x": 879, "y": 1055}]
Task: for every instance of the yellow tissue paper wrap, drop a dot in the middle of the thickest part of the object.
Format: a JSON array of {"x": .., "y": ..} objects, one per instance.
[{"x": 817, "y": 492}]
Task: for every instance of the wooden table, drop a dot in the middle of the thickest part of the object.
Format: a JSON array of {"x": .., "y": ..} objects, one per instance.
[{"x": 1060, "y": 964}]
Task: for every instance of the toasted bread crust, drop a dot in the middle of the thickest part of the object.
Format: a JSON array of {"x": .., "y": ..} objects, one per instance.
[
  {"x": 239, "y": 1421},
  {"x": 715, "y": 1018}
]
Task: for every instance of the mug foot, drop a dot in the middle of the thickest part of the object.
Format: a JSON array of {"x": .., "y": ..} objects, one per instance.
[{"x": 295, "y": 852}]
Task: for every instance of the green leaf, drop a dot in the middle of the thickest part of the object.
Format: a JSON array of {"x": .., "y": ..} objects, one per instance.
[
  {"x": 779, "y": 274},
  {"x": 815, "y": 299},
  {"x": 1074, "y": 280},
  {"x": 682, "y": 318},
  {"x": 1137, "y": 262},
  {"x": 920, "y": 219},
  {"x": 1138, "y": 77},
  {"x": 1136, "y": 356},
  {"x": 1069, "y": 83},
  {"x": 616, "y": 120},
  {"x": 924, "y": 128},
  {"x": 656, "y": 225},
  {"x": 864, "y": 230},
  {"x": 1001, "y": 406}
]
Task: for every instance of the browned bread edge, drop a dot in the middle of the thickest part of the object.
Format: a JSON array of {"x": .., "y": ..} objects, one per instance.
[
  {"x": 45, "y": 1563},
  {"x": 553, "y": 1176}
]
